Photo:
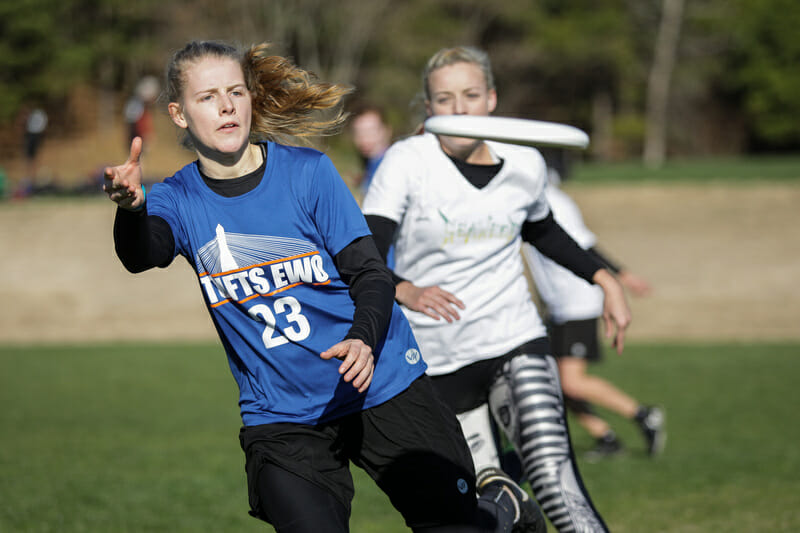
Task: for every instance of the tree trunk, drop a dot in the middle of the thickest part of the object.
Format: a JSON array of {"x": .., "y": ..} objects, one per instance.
[
  {"x": 666, "y": 48},
  {"x": 602, "y": 125}
]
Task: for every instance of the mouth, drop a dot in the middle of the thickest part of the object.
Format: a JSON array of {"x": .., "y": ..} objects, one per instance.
[{"x": 228, "y": 126}]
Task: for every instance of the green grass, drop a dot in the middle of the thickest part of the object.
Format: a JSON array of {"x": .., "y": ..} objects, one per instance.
[
  {"x": 136, "y": 438},
  {"x": 718, "y": 169}
]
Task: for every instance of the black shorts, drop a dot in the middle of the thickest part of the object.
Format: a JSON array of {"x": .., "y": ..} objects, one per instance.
[
  {"x": 468, "y": 388},
  {"x": 576, "y": 338},
  {"x": 412, "y": 446}
]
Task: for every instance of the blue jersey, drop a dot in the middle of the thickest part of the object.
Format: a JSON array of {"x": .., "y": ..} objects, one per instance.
[{"x": 264, "y": 261}]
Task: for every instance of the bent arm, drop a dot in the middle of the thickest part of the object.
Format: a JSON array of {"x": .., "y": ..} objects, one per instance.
[
  {"x": 371, "y": 289},
  {"x": 552, "y": 241}
]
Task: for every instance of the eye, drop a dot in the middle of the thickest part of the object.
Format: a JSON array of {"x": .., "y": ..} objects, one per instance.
[{"x": 206, "y": 98}]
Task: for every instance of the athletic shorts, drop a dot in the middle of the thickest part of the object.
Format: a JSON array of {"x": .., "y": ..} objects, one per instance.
[
  {"x": 576, "y": 338},
  {"x": 411, "y": 445},
  {"x": 468, "y": 388}
]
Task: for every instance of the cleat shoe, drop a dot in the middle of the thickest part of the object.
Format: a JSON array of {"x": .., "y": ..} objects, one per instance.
[
  {"x": 606, "y": 447},
  {"x": 528, "y": 516},
  {"x": 652, "y": 421}
]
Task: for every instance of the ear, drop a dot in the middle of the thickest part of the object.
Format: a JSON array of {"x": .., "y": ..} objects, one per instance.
[
  {"x": 492, "y": 100},
  {"x": 176, "y": 114}
]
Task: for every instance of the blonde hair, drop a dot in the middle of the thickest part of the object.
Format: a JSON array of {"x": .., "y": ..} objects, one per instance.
[
  {"x": 458, "y": 54},
  {"x": 289, "y": 104}
]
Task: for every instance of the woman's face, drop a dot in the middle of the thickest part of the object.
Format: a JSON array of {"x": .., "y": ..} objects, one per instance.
[
  {"x": 459, "y": 89},
  {"x": 216, "y": 106}
]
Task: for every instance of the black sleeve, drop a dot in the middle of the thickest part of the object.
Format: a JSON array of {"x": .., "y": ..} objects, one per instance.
[
  {"x": 383, "y": 229},
  {"x": 371, "y": 288},
  {"x": 142, "y": 241},
  {"x": 604, "y": 259},
  {"x": 551, "y": 240}
]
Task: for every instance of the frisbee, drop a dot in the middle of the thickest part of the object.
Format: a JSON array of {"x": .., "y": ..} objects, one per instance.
[{"x": 508, "y": 130}]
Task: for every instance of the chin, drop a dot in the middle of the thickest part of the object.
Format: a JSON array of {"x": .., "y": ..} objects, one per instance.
[{"x": 458, "y": 145}]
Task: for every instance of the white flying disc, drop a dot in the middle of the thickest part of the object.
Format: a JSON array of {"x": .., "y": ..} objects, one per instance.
[{"x": 509, "y": 130}]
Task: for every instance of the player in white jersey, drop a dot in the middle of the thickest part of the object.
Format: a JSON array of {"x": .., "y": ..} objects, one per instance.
[
  {"x": 573, "y": 307},
  {"x": 328, "y": 369},
  {"x": 457, "y": 211}
]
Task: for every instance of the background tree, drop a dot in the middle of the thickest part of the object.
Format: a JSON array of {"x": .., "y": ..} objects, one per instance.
[{"x": 583, "y": 62}]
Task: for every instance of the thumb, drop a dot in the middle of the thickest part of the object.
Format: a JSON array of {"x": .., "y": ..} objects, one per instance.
[{"x": 136, "y": 150}]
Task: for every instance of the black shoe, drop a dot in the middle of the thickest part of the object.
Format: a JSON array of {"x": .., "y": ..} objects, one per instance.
[
  {"x": 528, "y": 517},
  {"x": 605, "y": 447},
  {"x": 652, "y": 421}
]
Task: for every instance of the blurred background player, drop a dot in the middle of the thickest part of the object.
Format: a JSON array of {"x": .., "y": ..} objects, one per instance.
[
  {"x": 35, "y": 126},
  {"x": 138, "y": 110},
  {"x": 372, "y": 136},
  {"x": 573, "y": 308}
]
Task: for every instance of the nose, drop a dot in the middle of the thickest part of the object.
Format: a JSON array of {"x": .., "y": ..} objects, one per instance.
[
  {"x": 226, "y": 105},
  {"x": 459, "y": 107}
]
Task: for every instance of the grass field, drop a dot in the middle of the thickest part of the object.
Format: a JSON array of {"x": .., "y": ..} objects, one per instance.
[
  {"x": 730, "y": 170},
  {"x": 137, "y": 438}
]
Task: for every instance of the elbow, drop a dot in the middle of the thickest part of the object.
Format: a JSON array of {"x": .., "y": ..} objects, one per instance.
[{"x": 130, "y": 263}]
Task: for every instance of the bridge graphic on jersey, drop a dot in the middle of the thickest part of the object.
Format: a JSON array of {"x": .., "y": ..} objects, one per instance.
[
  {"x": 240, "y": 261},
  {"x": 232, "y": 251}
]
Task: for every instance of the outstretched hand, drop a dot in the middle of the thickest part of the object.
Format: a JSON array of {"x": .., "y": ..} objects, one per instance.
[
  {"x": 358, "y": 363},
  {"x": 433, "y": 301},
  {"x": 616, "y": 313},
  {"x": 123, "y": 183}
]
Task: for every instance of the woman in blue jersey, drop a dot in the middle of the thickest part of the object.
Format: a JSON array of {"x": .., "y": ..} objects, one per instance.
[{"x": 327, "y": 367}]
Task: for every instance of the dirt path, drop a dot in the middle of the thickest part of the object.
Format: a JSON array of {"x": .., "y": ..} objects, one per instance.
[{"x": 724, "y": 262}]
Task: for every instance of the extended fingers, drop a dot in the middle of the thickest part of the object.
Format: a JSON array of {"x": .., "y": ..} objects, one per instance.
[
  {"x": 358, "y": 362},
  {"x": 359, "y": 357},
  {"x": 438, "y": 303}
]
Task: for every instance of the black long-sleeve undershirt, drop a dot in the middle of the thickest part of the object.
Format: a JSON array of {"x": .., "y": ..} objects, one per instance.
[{"x": 610, "y": 264}]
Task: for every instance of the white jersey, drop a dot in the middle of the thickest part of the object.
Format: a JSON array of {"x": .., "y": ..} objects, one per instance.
[
  {"x": 566, "y": 296},
  {"x": 465, "y": 240}
]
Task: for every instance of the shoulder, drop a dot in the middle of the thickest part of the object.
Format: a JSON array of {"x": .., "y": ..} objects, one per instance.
[
  {"x": 300, "y": 165},
  {"x": 180, "y": 181},
  {"x": 420, "y": 144},
  {"x": 294, "y": 154}
]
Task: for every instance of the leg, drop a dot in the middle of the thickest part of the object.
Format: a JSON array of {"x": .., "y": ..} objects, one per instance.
[
  {"x": 477, "y": 429},
  {"x": 577, "y": 383},
  {"x": 412, "y": 446},
  {"x": 296, "y": 480},
  {"x": 526, "y": 401},
  {"x": 578, "y": 341},
  {"x": 606, "y": 442},
  {"x": 293, "y": 505}
]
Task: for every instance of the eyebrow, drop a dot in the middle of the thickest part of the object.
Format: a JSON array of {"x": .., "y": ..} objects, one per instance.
[{"x": 216, "y": 89}]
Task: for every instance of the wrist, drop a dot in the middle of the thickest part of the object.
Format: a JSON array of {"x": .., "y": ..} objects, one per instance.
[{"x": 141, "y": 205}]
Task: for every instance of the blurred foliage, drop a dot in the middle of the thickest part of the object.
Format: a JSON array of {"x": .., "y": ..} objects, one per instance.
[{"x": 733, "y": 90}]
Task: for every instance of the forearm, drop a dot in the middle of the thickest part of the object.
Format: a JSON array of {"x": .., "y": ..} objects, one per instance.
[
  {"x": 603, "y": 258},
  {"x": 383, "y": 230},
  {"x": 142, "y": 241},
  {"x": 371, "y": 289},
  {"x": 551, "y": 240}
]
